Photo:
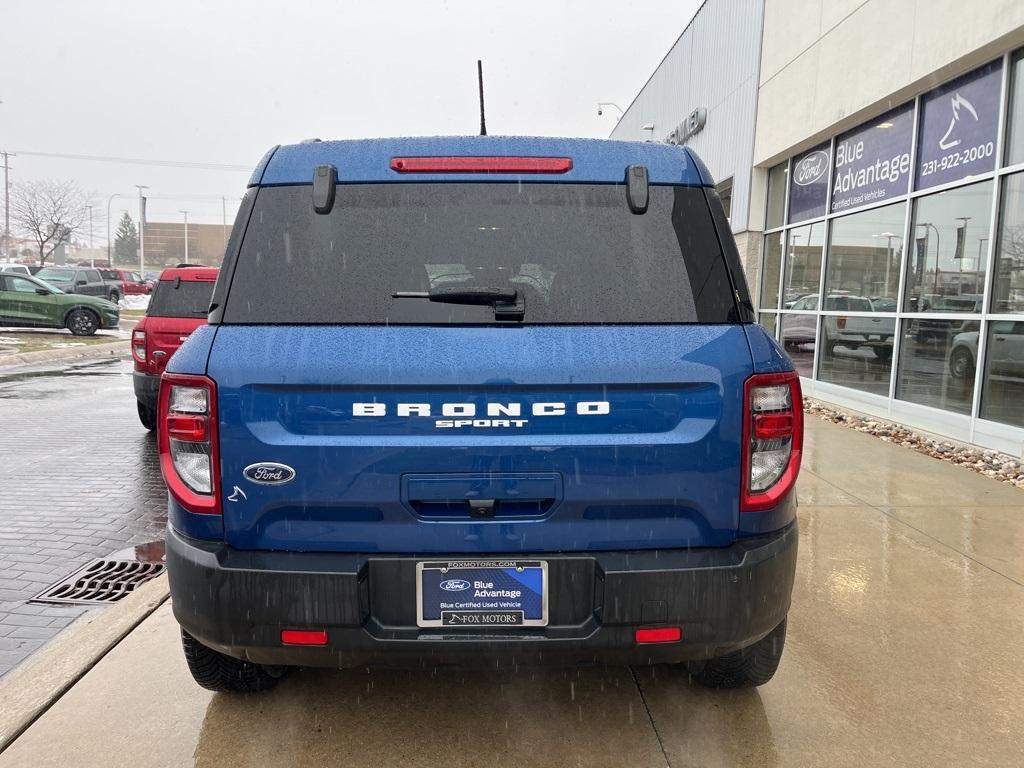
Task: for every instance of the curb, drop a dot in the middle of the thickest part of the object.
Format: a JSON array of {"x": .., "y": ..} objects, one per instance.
[
  {"x": 31, "y": 688},
  {"x": 117, "y": 348}
]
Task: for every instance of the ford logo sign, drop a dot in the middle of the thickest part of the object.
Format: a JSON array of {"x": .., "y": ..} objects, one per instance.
[
  {"x": 811, "y": 168},
  {"x": 269, "y": 473},
  {"x": 454, "y": 585}
]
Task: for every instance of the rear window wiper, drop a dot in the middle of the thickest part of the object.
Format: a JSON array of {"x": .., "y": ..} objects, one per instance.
[{"x": 507, "y": 302}]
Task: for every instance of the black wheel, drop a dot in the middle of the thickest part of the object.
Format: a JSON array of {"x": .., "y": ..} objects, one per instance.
[
  {"x": 750, "y": 666},
  {"x": 217, "y": 672},
  {"x": 961, "y": 363},
  {"x": 83, "y": 322},
  {"x": 147, "y": 415},
  {"x": 115, "y": 297},
  {"x": 884, "y": 354}
]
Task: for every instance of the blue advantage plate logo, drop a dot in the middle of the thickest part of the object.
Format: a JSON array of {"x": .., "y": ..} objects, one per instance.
[{"x": 269, "y": 473}]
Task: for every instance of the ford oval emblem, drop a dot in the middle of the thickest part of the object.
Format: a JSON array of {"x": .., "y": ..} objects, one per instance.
[
  {"x": 269, "y": 473},
  {"x": 454, "y": 585},
  {"x": 811, "y": 169}
]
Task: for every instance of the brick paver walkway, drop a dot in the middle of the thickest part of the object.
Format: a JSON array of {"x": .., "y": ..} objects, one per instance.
[{"x": 79, "y": 479}]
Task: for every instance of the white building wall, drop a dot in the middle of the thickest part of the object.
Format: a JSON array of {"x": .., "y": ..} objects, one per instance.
[
  {"x": 714, "y": 65},
  {"x": 827, "y": 65}
]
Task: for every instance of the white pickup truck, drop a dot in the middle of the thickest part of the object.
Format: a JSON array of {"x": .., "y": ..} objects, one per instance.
[{"x": 849, "y": 331}]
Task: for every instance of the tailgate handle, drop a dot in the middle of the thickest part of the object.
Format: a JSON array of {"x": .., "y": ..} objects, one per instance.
[{"x": 482, "y": 509}]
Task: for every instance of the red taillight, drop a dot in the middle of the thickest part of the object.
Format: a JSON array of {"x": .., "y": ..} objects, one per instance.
[
  {"x": 659, "y": 635},
  {"x": 773, "y": 434},
  {"x": 841, "y": 323},
  {"x": 304, "y": 637},
  {"x": 191, "y": 429},
  {"x": 187, "y": 436},
  {"x": 481, "y": 164},
  {"x": 139, "y": 346}
]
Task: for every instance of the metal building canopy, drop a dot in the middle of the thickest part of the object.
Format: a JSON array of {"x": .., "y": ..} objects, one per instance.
[{"x": 369, "y": 160}]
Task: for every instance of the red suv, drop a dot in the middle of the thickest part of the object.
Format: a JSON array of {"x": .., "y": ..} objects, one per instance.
[
  {"x": 180, "y": 302},
  {"x": 131, "y": 283}
]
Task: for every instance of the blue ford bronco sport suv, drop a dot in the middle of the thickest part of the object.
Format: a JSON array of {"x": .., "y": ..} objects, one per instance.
[{"x": 480, "y": 400}]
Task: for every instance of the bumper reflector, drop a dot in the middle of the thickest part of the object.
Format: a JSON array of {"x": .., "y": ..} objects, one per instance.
[
  {"x": 659, "y": 635},
  {"x": 304, "y": 636}
]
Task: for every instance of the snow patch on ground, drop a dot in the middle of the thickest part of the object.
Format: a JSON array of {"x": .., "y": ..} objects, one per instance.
[
  {"x": 10, "y": 340},
  {"x": 135, "y": 301}
]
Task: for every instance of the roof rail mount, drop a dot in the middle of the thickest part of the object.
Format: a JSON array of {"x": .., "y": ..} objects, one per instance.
[
  {"x": 325, "y": 181},
  {"x": 637, "y": 188}
]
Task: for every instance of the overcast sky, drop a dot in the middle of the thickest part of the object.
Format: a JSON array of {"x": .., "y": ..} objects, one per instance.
[{"x": 221, "y": 82}]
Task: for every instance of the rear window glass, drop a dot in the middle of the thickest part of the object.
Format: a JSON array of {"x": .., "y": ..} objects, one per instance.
[
  {"x": 109, "y": 274},
  {"x": 178, "y": 298},
  {"x": 573, "y": 253}
]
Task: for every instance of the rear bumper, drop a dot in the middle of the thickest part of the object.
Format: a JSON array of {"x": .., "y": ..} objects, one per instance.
[
  {"x": 147, "y": 387},
  {"x": 723, "y": 599}
]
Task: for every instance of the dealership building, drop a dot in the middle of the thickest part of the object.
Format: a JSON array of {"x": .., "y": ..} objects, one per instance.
[{"x": 871, "y": 157}]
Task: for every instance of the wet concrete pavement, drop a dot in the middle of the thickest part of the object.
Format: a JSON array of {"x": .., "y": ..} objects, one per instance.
[
  {"x": 79, "y": 479},
  {"x": 903, "y": 649}
]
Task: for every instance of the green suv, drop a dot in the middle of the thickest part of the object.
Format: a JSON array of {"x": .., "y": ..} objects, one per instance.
[{"x": 27, "y": 301}]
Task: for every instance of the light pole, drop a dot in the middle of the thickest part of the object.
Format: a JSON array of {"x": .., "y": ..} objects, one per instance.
[
  {"x": 92, "y": 256},
  {"x": 927, "y": 224},
  {"x": 960, "y": 257},
  {"x": 185, "y": 213},
  {"x": 142, "y": 228},
  {"x": 888, "y": 253},
  {"x": 109, "y": 201}
]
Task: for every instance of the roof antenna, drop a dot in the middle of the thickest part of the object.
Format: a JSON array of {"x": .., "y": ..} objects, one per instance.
[{"x": 480, "y": 80}]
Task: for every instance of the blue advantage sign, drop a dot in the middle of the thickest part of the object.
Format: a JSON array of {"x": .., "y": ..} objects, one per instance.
[
  {"x": 873, "y": 162},
  {"x": 959, "y": 123}
]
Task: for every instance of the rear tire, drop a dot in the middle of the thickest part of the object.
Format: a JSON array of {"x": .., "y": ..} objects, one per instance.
[
  {"x": 748, "y": 667},
  {"x": 147, "y": 415},
  {"x": 114, "y": 297},
  {"x": 216, "y": 672}
]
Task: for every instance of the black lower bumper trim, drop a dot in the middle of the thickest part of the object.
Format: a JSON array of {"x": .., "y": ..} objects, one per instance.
[
  {"x": 723, "y": 599},
  {"x": 147, "y": 386}
]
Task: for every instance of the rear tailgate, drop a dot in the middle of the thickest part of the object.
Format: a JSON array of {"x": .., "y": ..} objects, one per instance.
[{"x": 613, "y": 437}]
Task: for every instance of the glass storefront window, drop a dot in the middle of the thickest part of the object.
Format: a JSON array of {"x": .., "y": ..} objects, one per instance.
[
  {"x": 864, "y": 254},
  {"x": 1015, "y": 110},
  {"x": 946, "y": 272},
  {"x": 798, "y": 336},
  {"x": 1002, "y": 389},
  {"x": 937, "y": 363},
  {"x": 1008, "y": 285},
  {"x": 771, "y": 270},
  {"x": 776, "y": 196},
  {"x": 856, "y": 352},
  {"x": 768, "y": 320},
  {"x": 803, "y": 263}
]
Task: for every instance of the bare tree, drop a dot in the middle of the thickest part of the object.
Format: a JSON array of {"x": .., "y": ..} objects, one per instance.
[{"x": 50, "y": 212}]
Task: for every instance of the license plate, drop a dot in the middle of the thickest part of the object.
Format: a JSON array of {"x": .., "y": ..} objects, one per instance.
[{"x": 482, "y": 593}]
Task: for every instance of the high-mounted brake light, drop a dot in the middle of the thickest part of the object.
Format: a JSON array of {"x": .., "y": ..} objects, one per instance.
[
  {"x": 773, "y": 436},
  {"x": 481, "y": 164},
  {"x": 187, "y": 436}
]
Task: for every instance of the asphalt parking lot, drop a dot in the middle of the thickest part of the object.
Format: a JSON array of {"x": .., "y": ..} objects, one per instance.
[{"x": 903, "y": 646}]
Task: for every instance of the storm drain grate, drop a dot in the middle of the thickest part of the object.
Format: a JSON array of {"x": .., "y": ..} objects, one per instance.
[{"x": 101, "y": 581}]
